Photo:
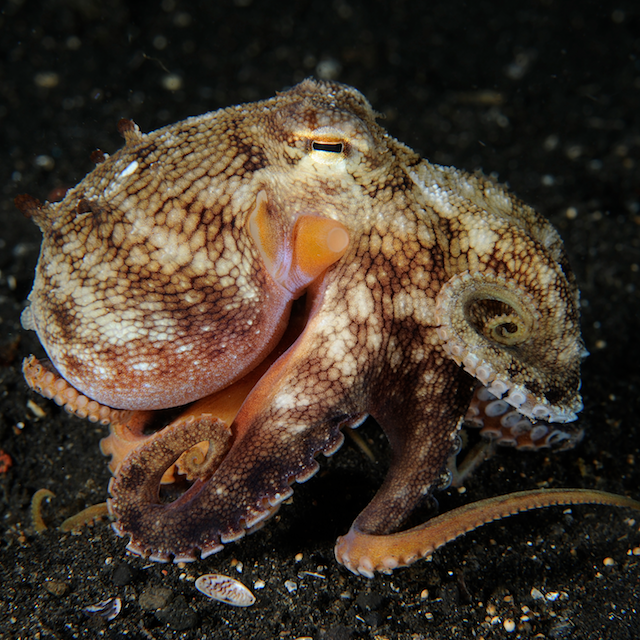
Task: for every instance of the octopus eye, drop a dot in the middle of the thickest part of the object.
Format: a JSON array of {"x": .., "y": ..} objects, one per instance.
[
  {"x": 327, "y": 151},
  {"x": 497, "y": 321},
  {"x": 331, "y": 147}
]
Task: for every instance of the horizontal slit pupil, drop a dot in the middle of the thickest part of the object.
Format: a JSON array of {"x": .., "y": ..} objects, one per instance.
[{"x": 332, "y": 147}]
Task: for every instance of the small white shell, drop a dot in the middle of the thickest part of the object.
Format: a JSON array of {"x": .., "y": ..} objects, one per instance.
[
  {"x": 107, "y": 609},
  {"x": 225, "y": 589}
]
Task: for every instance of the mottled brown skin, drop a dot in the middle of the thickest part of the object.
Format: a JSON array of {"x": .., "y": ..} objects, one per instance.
[{"x": 169, "y": 272}]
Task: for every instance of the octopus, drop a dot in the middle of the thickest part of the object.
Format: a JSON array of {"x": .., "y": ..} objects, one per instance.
[{"x": 231, "y": 292}]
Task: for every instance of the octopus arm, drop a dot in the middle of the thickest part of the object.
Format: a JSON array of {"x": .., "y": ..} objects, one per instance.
[
  {"x": 135, "y": 501},
  {"x": 421, "y": 423},
  {"x": 365, "y": 554}
]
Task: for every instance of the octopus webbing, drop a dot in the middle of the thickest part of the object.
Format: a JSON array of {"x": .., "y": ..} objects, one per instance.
[{"x": 260, "y": 277}]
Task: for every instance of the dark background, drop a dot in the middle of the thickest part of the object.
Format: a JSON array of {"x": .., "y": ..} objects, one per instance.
[{"x": 545, "y": 96}]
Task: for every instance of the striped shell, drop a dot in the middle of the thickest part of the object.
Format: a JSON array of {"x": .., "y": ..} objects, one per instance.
[{"x": 225, "y": 589}]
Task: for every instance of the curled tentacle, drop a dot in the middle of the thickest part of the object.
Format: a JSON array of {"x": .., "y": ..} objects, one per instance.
[
  {"x": 510, "y": 340},
  {"x": 365, "y": 554},
  {"x": 135, "y": 501}
]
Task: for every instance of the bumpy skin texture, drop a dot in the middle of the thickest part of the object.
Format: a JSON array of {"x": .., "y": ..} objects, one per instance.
[{"x": 169, "y": 273}]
